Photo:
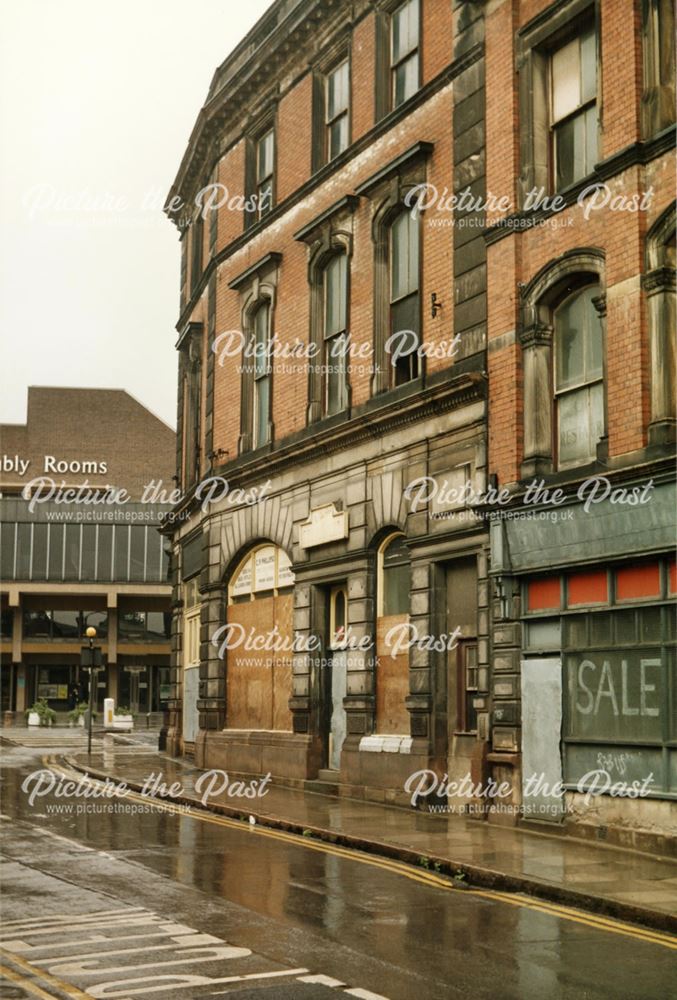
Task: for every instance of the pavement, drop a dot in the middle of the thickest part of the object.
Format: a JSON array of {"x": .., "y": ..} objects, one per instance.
[{"x": 603, "y": 879}]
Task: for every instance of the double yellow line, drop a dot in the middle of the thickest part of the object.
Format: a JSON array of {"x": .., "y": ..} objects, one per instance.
[{"x": 398, "y": 867}]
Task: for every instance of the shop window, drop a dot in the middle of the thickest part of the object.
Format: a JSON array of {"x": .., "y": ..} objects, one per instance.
[
  {"x": 7, "y": 623},
  {"x": 405, "y": 318},
  {"x": 638, "y": 582},
  {"x": 191, "y": 623},
  {"x": 143, "y": 626},
  {"x": 395, "y": 576},
  {"x": 588, "y": 588},
  {"x": 265, "y": 570},
  {"x": 543, "y": 595}
]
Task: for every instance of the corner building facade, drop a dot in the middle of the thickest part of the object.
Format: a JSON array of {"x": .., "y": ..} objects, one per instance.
[
  {"x": 539, "y": 348},
  {"x": 325, "y": 119}
]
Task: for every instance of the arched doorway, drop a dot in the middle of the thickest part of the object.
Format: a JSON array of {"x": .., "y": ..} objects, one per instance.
[{"x": 258, "y": 641}]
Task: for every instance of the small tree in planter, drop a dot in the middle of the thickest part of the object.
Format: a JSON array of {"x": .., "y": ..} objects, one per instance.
[
  {"x": 77, "y": 716},
  {"x": 40, "y": 714}
]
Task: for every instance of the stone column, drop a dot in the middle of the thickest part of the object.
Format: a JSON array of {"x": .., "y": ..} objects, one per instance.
[
  {"x": 659, "y": 285},
  {"x": 537, "y": 348}
]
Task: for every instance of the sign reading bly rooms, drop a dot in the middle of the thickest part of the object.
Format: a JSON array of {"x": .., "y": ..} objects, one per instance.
[{"x": 51, "y": 463}]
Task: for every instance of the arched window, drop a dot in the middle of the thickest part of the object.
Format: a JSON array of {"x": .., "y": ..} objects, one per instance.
[
  {"x": 563, "y": 363},
  {"x": 579, "y": 378},
  {"x": 262, "y": 375},
  {"x": 394, "y": 577},
  {"x": 405, "y": 312},
  {"x": 335, "y": 284}
]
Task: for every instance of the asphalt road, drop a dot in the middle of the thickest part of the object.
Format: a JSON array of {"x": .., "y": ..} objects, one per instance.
[{"x": 111, "y": 898}]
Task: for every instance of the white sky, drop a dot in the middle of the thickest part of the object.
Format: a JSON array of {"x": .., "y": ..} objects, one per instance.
[{"x": 99, "y": 99}]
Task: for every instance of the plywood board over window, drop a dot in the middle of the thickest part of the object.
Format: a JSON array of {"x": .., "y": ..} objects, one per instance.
[{"x": 392, "y": 680}]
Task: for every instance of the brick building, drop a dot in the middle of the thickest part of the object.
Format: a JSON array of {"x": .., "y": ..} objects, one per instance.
[
  {"x": 365, "y": 355},
  {"x": 90, "y": 557}
]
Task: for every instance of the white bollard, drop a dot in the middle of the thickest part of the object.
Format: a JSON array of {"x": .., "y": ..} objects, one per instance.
[{"x": 108, "y": 712}]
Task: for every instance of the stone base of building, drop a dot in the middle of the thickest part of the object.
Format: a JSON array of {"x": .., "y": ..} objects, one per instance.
[
  {"x": 639, "y": 824},
  {"x": 287, "y": 757},
  {"x": 383, "y": 776}
]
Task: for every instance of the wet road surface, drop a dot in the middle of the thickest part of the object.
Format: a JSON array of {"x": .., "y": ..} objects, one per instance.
[{"x": 118, "y": 898}]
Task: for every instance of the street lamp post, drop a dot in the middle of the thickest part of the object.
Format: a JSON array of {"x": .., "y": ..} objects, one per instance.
[{"x": 91, "y": 635}]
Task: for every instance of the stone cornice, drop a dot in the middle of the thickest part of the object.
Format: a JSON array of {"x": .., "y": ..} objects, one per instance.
[{"x": 373, "y": 420}]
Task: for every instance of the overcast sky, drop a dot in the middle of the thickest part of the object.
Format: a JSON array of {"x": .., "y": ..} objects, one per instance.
[{"x": 98, "y": 100}]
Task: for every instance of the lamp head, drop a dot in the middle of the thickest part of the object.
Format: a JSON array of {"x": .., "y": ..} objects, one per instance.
[{"x": 91, "y": 632}]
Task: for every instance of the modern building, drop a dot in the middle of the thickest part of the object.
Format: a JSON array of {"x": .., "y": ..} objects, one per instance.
[
  {"x": 386, "y": 216},
  {"x": 82, "y": 500}
]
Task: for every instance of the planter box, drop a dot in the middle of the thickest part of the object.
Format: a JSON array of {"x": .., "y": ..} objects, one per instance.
[
  {"x": 123, "y": 722},
  {"x": 33, "y": 719}
]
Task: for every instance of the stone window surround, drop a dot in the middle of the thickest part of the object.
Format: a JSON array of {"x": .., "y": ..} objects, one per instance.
[
  {"x": 383, "y": 98},
  {"x": 540, "y": 296},
  {"x": 331, "y": 233},
  {"x": 387, "y": 190},
  {"x": 658, "y": 99},
  {"x": 658, "y": 283},
  {"x": 534, "y": 42},
  {"x": 256, "y": 286},
  {"x": 261, "y": 123},
  {"x": 328, "y": 60}
]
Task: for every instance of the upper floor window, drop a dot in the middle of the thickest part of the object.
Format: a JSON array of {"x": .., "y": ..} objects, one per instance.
[
  {"x": 658, "y": 97},
  {"x": 573, "y": 108},
  {"x": 265, "y": 165},
  {"x": 404, "y": 297},
  {"x": 579, "y": 378},
  {"x": 404, "y": 55},
  {"x": 262, "y": 375},
  {"x": 336, "y": 110},
  {"x": 197, "y": 242},
  {"x": 335, "y": 334}
]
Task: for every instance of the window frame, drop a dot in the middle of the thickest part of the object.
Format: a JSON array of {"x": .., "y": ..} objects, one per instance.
[
  {"x": 267, "y": 179},
  {"x": 580, "y": 111},
  {"x": 345, "y": 112},
  {"x": 340, "y": 334},
  {"x": 380, "y": 575},
  {"x": 261, "y": 377},
  {"x": 559, "y": 393},
  {"x": 412, "y": 362},
  {"x": 535, "y": 43},
  {"x": 395, "y": 64}
]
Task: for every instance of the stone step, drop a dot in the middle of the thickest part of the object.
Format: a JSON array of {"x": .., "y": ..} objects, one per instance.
[
  {"x": 329, "y": 774},
  {"x": 322, "y": 787}
]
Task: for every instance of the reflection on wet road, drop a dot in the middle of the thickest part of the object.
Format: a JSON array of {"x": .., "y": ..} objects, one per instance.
[{"x": 124, "y": 904}]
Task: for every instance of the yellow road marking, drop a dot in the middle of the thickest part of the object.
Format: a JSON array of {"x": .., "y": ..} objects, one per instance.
[
  {"x": 45, "y": 977},
  {"x": 397, "y": 867}
]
